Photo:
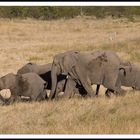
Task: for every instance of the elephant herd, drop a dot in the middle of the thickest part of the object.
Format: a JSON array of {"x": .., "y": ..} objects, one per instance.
[{"x": 71, "y": 72}]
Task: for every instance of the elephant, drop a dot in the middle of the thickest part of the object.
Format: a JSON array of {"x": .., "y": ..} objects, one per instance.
[
  {"x": 44, "y": 71},
  {"x": 131, "y": 77},
  {"x": 28, "y": 85},
  {"x": 99, "y": 67}
]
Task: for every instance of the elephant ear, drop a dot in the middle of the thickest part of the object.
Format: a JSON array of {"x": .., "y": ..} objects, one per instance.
[
  {"x": 127, "y": 65},
  {"x": 22, "y": 82},
  {"x": 67, "y": 63}
]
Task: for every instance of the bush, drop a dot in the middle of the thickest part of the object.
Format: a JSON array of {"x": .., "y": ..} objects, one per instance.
[{"x": 54, "y": 12}]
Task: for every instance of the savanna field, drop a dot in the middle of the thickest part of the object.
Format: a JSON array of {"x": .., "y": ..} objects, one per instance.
[{"x": 23, "y": 41}]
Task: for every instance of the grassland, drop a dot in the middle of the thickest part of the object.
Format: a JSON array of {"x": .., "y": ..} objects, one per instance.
[{"x": 37, "y": 41}]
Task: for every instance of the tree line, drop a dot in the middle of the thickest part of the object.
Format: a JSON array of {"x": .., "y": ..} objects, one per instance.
[{"x": 54, "y": 12}]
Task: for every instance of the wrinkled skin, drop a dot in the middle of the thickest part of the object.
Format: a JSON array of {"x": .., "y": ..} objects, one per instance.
[
  {"x": 44, "y": 71},
  {"x": 100, "y": 68},
  {"x": 29, "y": 85},
  {"x": 132, "y": 78}
]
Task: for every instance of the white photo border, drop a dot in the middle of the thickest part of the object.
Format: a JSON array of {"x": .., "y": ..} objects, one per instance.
[{"x": 84, "y": 136}]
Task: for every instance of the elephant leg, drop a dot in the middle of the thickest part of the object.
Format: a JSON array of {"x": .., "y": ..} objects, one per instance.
[
  {"x": 89, "y": 89},
  {"x": 97, "y": 89},
  {"x": 2, "y": 100},
  {"x": 13, "y": 99},
  {"x": 33, "y": 98},
  {"x": 45, "y": 92},
  {"x": 40, "y": 97},
  {"x": 108, "y": 92},
  {"x": 25, "y": 99},
  {"x": 57, "y": 92},
  {"x": 44, "y": 95},
  {"x": 85, "y": 81},
  {"x": 117, "y": 91},
  {"x": 114, "y": 87},
  {"x": 82, "y": 91},
  {"x": 60, "y": 87},
  {"x": 69, "y": 89},
  {"x": 10, "y": 100}
]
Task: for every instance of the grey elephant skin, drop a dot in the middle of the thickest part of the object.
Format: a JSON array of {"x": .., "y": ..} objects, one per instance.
[
  {"x": 44, "y": 71},
  {"x": 29, "y": 85},
  {"x": 132, "y": 78},
  {"x": 100, "y": 68}
]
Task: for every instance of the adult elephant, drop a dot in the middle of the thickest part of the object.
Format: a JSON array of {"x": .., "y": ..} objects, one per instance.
[
  {"x": 131, "y": 78},
  {"x": 44, "y": 71},
  {"x": 28, "y": 85},
  {"x": 100, "y": 68}
]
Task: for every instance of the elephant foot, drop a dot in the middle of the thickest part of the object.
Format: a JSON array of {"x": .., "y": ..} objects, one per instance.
[
  {"x": 90, "y": 96},
  {"x": 93, "y": 95},
  {"x": 107, "y": 93},
  {"x": 50, "y": 99},
  {"x": 12, "y": 100},
  {"x": 107, "y": 96},
  {"x": 2, "y": 103},
  {"x": 8, "y": 103},
  {"x": 65, "y": 97}
]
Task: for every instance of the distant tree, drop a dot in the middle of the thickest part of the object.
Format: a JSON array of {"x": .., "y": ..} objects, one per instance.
[{"x": 56, "y": 12}]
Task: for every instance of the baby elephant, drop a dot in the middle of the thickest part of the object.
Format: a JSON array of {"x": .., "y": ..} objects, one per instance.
[
  {"x": 29, "y": 85},
  {"x": 44, "y": 71}
]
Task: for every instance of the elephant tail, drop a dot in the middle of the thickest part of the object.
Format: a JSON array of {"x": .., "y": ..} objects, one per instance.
[{"x": 124, "y": 71}]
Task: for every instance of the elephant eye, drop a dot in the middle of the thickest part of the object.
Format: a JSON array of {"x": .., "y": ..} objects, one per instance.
[{"x": 54, "y": 64}]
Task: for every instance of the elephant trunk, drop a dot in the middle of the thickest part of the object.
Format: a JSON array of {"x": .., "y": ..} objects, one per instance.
[{"x": 54, "y": 73}]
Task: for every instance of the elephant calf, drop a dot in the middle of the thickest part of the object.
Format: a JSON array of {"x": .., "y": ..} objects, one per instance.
[
  {"x": 29, "y": 85},
  {"x": 44, "y": 71}
]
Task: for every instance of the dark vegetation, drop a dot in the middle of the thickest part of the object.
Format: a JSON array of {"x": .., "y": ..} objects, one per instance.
[{"x": 55, "y": 12}]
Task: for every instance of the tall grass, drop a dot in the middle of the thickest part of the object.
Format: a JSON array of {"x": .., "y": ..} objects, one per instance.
[{"x": 22, "y": 41}]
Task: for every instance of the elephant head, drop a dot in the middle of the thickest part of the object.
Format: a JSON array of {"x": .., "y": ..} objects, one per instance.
[
  {"x": 7, "y": 81},
  {"x": 132, "y": 78},
  {"x": 62, "y": 64}
]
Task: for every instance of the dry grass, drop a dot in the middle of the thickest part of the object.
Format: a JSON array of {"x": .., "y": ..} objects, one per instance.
[{"x": 22, "y": 41}]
